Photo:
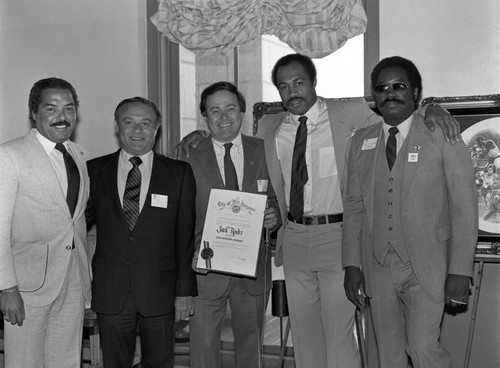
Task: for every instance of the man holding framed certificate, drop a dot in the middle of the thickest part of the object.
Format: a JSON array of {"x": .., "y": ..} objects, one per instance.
[{"x": 231, "y": 162}]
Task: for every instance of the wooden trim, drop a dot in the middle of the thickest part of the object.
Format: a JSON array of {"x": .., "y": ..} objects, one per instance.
[
  {"x": 170, "y": 97},
  {"x": 372, "y": 41},
  {"x": 163, "y": 82}
]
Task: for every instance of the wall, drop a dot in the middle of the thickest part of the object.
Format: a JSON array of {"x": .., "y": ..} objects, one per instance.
[
  {"x": 215, "y": 68},
  {"x": 97, "y": 45},
  {"x": 455, "y": 44}
]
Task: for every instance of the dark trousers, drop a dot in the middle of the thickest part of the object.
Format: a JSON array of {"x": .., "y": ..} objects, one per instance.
[{"x": 118, "y": 336}]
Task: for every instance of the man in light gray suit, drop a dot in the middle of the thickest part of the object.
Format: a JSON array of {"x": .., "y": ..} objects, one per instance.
[
  {"x": 410, "y": 222},
  {"x": 44, "y": 267}
]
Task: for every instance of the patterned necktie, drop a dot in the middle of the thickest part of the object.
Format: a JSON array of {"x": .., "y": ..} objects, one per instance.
[
  {"x": 73, "y": 178},
  {"x": 299, "y": 171},
  {"x": 391, "y": 147},
  {"x": 230, "y": 177},
  {"x": 132, "y": 193}
]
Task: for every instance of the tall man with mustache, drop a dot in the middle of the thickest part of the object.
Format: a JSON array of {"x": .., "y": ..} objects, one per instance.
[
  {"x": 309, "y": 243},
  {"x": 44, "y": 267},
  {"x": 410, "y": 222}
]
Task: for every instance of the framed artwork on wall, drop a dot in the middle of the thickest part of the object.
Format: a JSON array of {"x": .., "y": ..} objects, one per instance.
[{"x": 479, "y": 118}]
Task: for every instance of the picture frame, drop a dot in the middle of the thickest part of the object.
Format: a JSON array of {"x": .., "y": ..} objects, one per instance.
[{"x": 479, "y": 119}]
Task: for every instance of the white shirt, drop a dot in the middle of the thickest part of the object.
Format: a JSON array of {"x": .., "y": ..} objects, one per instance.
[
  {"x": 56, "y": 160},
  {"x": 124, "y": 166},
  {"x": 322, "y": 191},
  {"x": 403, "y": 130}
]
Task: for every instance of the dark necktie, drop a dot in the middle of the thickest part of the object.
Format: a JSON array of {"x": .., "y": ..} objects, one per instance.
[
  {"x": 391, "y": 147},
  {"x": 73, "y": 178},
  {"x": 299, "y": 171},
  {"x": 230, "y": 177},
  {"x": 132, "y": 193}
]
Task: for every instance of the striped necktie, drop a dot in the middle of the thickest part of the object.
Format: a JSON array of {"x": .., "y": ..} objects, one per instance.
[
  {"x": 230, "y": 177},
  {"x": 391, "y": 147},
  {"x": 299, "y": 171},
  {"x": 132, "y": 193}
]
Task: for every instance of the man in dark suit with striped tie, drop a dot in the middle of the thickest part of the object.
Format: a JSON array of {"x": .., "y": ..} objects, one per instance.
[{"x": 143, "y": 206}]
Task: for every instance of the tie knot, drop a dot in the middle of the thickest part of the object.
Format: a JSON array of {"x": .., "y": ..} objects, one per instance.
[
  {"x": 393, "y": 131},
  {"x": 135, "y": 161},
  {"x": 60, "y": 147},
  {"x": 228, "y": 146},
  {"x": 303, "y": 119}
]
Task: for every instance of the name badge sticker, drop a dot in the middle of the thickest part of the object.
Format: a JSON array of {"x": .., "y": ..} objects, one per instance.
[
  {"x": 412, "y": 157},
  {"x": 159, "y": 200},
  {"x": 262, "y": 185},
  {"x": 369, "y": 144}
]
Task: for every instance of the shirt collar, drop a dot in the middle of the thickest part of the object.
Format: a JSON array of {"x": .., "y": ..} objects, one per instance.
[
  {"x": 404, "y": 127},
  {"x": 219, "y": 146},
  {"x": 312, "y": 114},
  {"x": 146, "y": 158},
  {"x": 47, "y": 144}
]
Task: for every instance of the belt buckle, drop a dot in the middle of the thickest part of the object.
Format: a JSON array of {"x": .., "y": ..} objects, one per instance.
[{"x": 309, "y": 220}]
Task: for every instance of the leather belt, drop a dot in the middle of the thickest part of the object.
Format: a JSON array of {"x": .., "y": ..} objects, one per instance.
[{"x": 317, "y": 220}]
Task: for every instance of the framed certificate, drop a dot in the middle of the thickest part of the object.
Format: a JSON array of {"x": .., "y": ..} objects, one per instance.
[{"x": 232, "y": 232}]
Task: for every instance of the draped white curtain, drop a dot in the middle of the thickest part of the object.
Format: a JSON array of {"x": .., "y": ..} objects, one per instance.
[{"x": 312, "y": 27}]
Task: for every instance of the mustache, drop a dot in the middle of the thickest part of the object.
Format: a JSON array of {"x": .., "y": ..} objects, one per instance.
[
  {"x": 61, "y": 122},
  {"x": 385, "y": 102},
  {"x": 294, "y": 98}
]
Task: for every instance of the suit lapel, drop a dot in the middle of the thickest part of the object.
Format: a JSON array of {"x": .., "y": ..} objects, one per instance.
[
  {"x": 158, "y": 180},
  {"x": 339, "y": 135},
  {"x": 273, "y": 164},
  {"x": 110, "y": 183},
  {"x": 414, "y": 140},
  {"x": 209, "y": 164},
  {"x": 249, "y": 169},
  {"x": 40, "y": 161},
  {"x": 368, "y": 160}
]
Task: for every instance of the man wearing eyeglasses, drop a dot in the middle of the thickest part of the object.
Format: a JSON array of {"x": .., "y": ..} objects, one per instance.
[
  {"x": 143, "y": 205},
  {"x": 410, "y": 222}
]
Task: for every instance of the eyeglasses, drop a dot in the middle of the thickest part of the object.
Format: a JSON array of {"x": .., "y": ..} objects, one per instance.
[{"x": 396, "y": 87}]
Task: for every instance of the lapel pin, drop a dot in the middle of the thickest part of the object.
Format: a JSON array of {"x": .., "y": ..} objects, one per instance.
[
  {"x": 351, "y": 133},
  {"x": 417, "y": 147}
]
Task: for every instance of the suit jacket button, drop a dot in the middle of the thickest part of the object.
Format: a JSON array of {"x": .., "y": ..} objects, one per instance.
[
  {"x": 68, "y": 247},
  {"x": 131, "y": 238}
]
